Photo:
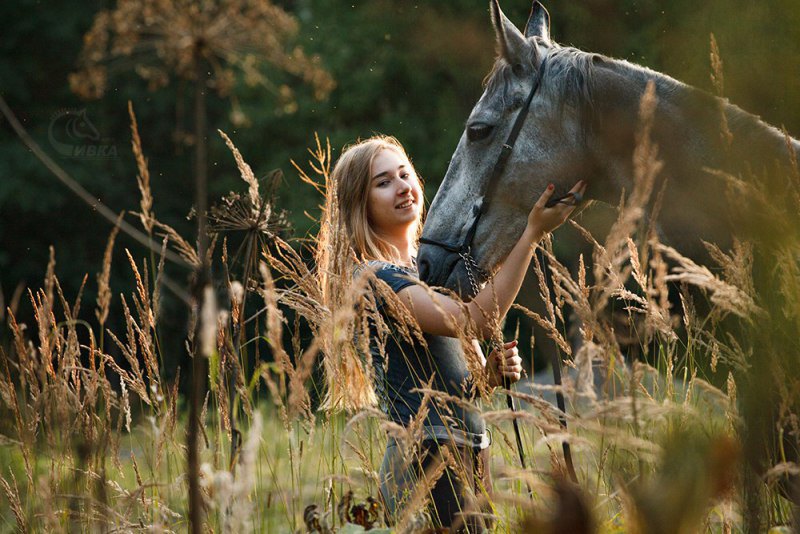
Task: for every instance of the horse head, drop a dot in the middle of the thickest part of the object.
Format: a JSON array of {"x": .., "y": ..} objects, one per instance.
[
  {"x": 577, "y": 117},
  {"x": 474, "y": 200},
  {"x": 552, "y": 114}
]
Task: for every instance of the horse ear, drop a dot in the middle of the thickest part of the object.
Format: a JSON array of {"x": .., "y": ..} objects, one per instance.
[
  {"x": 513, "y": 45},
  {"x": 538, "y": 23}
]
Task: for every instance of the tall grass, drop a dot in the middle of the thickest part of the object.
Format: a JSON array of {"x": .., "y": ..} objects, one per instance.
[{"x": 674, "y": 441}]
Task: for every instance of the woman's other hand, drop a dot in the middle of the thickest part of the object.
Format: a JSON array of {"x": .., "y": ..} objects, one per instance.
[
  {"x": 505, "y": 364},
  {"x": 543, "y": 219}
]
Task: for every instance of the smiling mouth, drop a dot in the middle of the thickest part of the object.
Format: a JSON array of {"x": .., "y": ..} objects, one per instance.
[{"x": 406, "y": 204}]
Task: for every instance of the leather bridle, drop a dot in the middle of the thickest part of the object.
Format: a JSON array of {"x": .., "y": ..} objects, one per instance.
[{"x": 464, "y": 249}]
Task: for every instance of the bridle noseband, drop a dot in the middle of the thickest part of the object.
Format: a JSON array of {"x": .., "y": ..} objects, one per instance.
[{"x": 465, "y": 247}]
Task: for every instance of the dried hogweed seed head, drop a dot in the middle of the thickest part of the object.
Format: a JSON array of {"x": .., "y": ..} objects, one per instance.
[{"x": 161, "y": 39}]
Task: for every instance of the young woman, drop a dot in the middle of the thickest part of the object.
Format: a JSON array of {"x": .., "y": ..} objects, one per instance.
[{"x": 426, "y": 383}]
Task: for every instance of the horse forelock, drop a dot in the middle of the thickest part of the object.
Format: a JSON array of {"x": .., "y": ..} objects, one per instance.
[
  {"x": 567, "y": 78},
  {"x": 499, "y": 79}
]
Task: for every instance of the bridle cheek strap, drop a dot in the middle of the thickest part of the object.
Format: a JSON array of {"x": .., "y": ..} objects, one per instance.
[{"x": 482, "y": 206}]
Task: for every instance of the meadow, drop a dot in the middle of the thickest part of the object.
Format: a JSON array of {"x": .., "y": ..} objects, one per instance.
[{"x": 94, "y": 438}]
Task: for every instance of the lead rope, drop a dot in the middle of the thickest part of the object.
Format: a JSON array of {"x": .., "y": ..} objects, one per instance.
[
  {"x": 556, "y": 363},
  {"x": 471, "y": 266}
]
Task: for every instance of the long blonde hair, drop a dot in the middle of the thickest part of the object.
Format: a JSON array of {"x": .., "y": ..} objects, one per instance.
[
  {"x": 346, "y": 240},
  {"x": 351, "y": 178}
]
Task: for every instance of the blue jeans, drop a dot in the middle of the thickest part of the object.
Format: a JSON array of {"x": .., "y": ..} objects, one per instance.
[{"x": 452, "y": 503}]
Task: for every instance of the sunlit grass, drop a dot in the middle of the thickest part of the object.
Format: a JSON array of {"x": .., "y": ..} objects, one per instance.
[{"x": 658, "y": 446}]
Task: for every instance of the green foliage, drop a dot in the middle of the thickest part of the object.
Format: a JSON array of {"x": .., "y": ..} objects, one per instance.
[{"x": 411, "y": 69}]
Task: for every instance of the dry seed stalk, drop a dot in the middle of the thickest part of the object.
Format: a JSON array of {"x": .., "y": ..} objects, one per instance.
[
  {"x": 718, "y": 81},
  {"x": 143, "y": 178},
  {"x": 726, "y": 296},
  {"x": 12, "y": 494},
  {"x": 421, "y": 494},
  {"x": 183, "y": 248},
  {"x": 103, "y": 289},
  {"x": 246, "y": 172}
]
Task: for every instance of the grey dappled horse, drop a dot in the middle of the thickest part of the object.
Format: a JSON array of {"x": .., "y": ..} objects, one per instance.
[{"x": 581, "y": 124}]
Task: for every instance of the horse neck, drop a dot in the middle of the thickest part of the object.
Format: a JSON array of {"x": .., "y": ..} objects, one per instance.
[
  {"x": 692, "y": 139},
  {"x": 733, "y": 140}
]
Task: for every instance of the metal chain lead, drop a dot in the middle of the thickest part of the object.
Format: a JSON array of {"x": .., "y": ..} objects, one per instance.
[{"x": 471, "y": 267}]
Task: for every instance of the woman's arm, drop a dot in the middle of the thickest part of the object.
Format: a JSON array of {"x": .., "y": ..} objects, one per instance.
[{"x": 441, "y": 315}]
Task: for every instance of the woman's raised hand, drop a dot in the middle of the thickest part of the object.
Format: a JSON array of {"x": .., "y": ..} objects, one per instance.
[{"x": 543, "y": 219}]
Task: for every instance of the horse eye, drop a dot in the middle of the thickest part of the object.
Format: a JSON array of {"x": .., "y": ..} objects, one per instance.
[{"x": 478, "y": 131}]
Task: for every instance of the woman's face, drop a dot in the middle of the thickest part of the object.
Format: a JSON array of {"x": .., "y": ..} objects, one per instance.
[{"x": 394, "y": 202}]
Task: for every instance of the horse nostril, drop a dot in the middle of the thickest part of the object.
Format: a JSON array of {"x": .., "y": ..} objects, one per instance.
[
  {"x": 479, "y": 131},
  {"x": 424, "y": 268}
]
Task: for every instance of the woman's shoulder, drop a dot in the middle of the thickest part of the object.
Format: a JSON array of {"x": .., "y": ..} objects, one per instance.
[
  {"x": 383, "y": 265},
  {"x": 397, "y": 276},
  {"x": 369, "y": 265},
  {"x": 379, "y": 265}
]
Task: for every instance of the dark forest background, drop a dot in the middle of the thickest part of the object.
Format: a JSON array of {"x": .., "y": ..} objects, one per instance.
[{"x": 412, "y": 69}]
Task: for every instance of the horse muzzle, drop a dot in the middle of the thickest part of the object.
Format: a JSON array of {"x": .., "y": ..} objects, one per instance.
[{"x": 443, "y": 268}]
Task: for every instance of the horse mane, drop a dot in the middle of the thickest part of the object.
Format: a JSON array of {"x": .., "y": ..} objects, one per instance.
[
  {"x": 709, "y": 113},
  {"x": 570, "y": 75},
  {"x": 569, "y": 79}
]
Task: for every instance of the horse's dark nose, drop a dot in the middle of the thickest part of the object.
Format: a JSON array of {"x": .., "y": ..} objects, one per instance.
[
  {"x": 430, "y": 263},
  {"x": 424, "y": 267},
  {"x": 435, "y": 264}
]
